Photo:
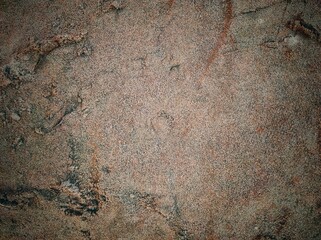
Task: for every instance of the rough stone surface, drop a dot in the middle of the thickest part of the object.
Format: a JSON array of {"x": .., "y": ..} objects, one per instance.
[{"x": 138, "y": 119}]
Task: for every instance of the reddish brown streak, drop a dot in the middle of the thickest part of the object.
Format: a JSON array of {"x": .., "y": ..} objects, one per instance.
[
  {"x": 221, "y": 41},
  {"x": 171, "y": 3},
  {"x": 215, "y": 51}
]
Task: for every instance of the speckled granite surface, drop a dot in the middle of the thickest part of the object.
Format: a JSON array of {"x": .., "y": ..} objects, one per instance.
[{"x": 159, "y": 119}]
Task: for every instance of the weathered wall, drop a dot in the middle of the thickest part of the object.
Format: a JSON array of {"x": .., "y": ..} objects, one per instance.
[{"x": 140, "y": 119}]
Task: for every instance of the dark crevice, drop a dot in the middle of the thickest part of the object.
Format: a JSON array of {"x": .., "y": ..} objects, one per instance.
[{"x": 300, "y": 26}]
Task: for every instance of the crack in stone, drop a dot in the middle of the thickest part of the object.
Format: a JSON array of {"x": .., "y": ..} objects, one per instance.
[
  {"x": 257, "y": 9},
  {"x": 307, "y": 29}
]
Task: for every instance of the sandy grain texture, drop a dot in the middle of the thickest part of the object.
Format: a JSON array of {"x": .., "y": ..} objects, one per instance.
[{"x": 136, "y": 119}]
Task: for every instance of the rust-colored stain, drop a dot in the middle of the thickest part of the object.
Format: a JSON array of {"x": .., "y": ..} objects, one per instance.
[
  {"x": 171, "y": 3},
  {"x": 221, "y": 40},
  {"x": 259, "y": 130}
]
